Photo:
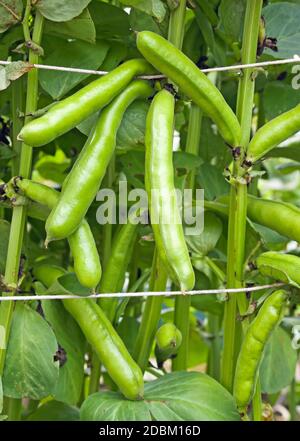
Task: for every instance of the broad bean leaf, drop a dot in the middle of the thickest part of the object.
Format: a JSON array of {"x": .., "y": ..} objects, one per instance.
[
  {"x": 10, "y": 13},
  {"x": 54, "y": 411},
  {"x": 81, "y": 27},
  {"x": 155, "y": 8},
  {"x": 282, "y": 22},
  {"x": 70, "y": 54},
  {"x": 110, "y": 21},
  {"x": 205, "y": 242},
  {"x": 232, "y": 13},
  {"x": 279, "y": 363},
  {"x": 179, "y": 396},
  {"x": 61, "y": 10},
  {"x": 71, "y": 339},
  {"x": 30, "y": 370},
  {"x": 279, "y": 98},
  {"x": 140, "y": 21},
  {"x": 211, "y": 179}
]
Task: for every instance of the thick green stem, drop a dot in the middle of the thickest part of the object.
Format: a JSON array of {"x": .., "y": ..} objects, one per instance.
[
  {"x": 215, "y": 349},
  {"x": 151, "y": 314},
  {"x": 238, "y": 197},
  {"x": 176, "y": 24},
  {"x": 17, "y": 106},
  {"x": 19, "y": 213},
  {"x": 256, "y": 402},
  {"x": 106, "y": 243}
]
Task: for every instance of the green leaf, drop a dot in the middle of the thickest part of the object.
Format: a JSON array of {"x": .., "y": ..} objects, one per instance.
[
  {"x": 131, "y": 133},
  {"x": 4, "y": 234},
  {"x": 81, "y": 27},
  {"x": 53, "y": 167},
  {"x": 68, "y": 284},
  {"x": 185, "y": 160},
  {"x": 232, "y": 17},
  {"x": 282, "y": 22},
  {"x": 279, "y": 98},
  {"x": 155, "y": 8},
  {"x": 127, "y": 330},
  {"x": 71, "y": 339},
  {"x": 180, "y": 396},
  {"x": 133, "y": 166},
  {"x": 140, "y": 21},
  {"x": 30, "y": 370},
  {"x": 279, "y": 363},
  {"x": 211, "y": 179},
  {"x": 110, "y": 21},
  {"x": 205, "y": 242},
  {"x": 61, "y": 10},
  {"x": 70, "y": 54},
  {"x": 10, "y": 13},
  {"x": 290, "y": 152},
  {"x": 54, "y": 411}
]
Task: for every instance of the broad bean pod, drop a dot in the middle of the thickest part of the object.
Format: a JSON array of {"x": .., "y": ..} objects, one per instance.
[
  {"x": 182, "y": 71},
  {"x": 69, "y": 112},
  {"x": 87, "y": 264},
  {"x": 83, "y": 181},
  {"x": 254, "y": 343},
  {"x": 273, "y": 133},
  {"x": 159, "y": 181},
  {"x": 102, "y": 336}
]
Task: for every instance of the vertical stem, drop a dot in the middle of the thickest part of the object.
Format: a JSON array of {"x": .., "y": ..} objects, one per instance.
[
  {"x": 256, "y": 402},
  {"x": 238, "y": 196},
  {"x": 17, "y": 106},
  {"x": 106, "y": 242},
  {"x": 176, "y": 24},
  {"x": 19, "y": 213},
  {"x": 292, "y": 400},
  {"x": 215, "y": 350},
  {"x": 151, "y": 315},
  {"x": 193, "y": 139}
]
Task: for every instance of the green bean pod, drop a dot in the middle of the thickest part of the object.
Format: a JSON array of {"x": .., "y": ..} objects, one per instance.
[
  {"x": 273, "y": 133},
  {"x": 254, "y": 343},
  {"x": 181, "y": 70},
  {"x": 159, "y": 180},
  {"x": 102, "y": 336},
  {"x": 279, "y": 266},
  {"x": 87, "y": 264},
  {"x": 168, "y": 340},
  {"x": 114, "y": 274},
  {"x": 84, "y": 180},
  {"x": 69, "y": 112},
  {"x": 279, "y": 216}
]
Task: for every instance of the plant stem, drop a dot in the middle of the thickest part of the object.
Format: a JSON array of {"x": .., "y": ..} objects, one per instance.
[
  {"x": 256, "y": 402},
  {"x": 215, "y": 349},
  {"x": 176, "y": 24},
  {"x": 107, "y": 241},
  {"x": 238, "y": 197},
  {"x": 19, "y": 213},
  {"x": 292, "y": 399},
  {"x": 17, "y": 106},
  {"x": 151, "y": 314},
  {"x": 183, "y": 303},
  {"x": 13, "y": 409}
]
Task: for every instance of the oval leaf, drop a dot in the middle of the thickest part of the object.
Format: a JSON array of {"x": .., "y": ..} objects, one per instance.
[
  {"x": 279, "y": 363},
  {"x": 30, "y": 370},
  {"x": 54, "y": 411},
  {"x": 61, "y": 10},
  {"x": 188, "y": 396}
]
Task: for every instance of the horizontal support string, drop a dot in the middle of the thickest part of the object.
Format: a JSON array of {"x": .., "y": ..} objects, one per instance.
[
  {"x": 295, "y": 59},
  {"x": 142, "y": 294}
]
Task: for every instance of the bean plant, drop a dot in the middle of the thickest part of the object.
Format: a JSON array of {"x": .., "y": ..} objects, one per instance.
[{"x": 108, "y": 111}]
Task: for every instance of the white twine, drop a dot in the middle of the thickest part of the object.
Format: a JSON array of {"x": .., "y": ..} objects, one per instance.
[
  {"x": 295, "y": 59},
  {"x": 141, "y": 294}
]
